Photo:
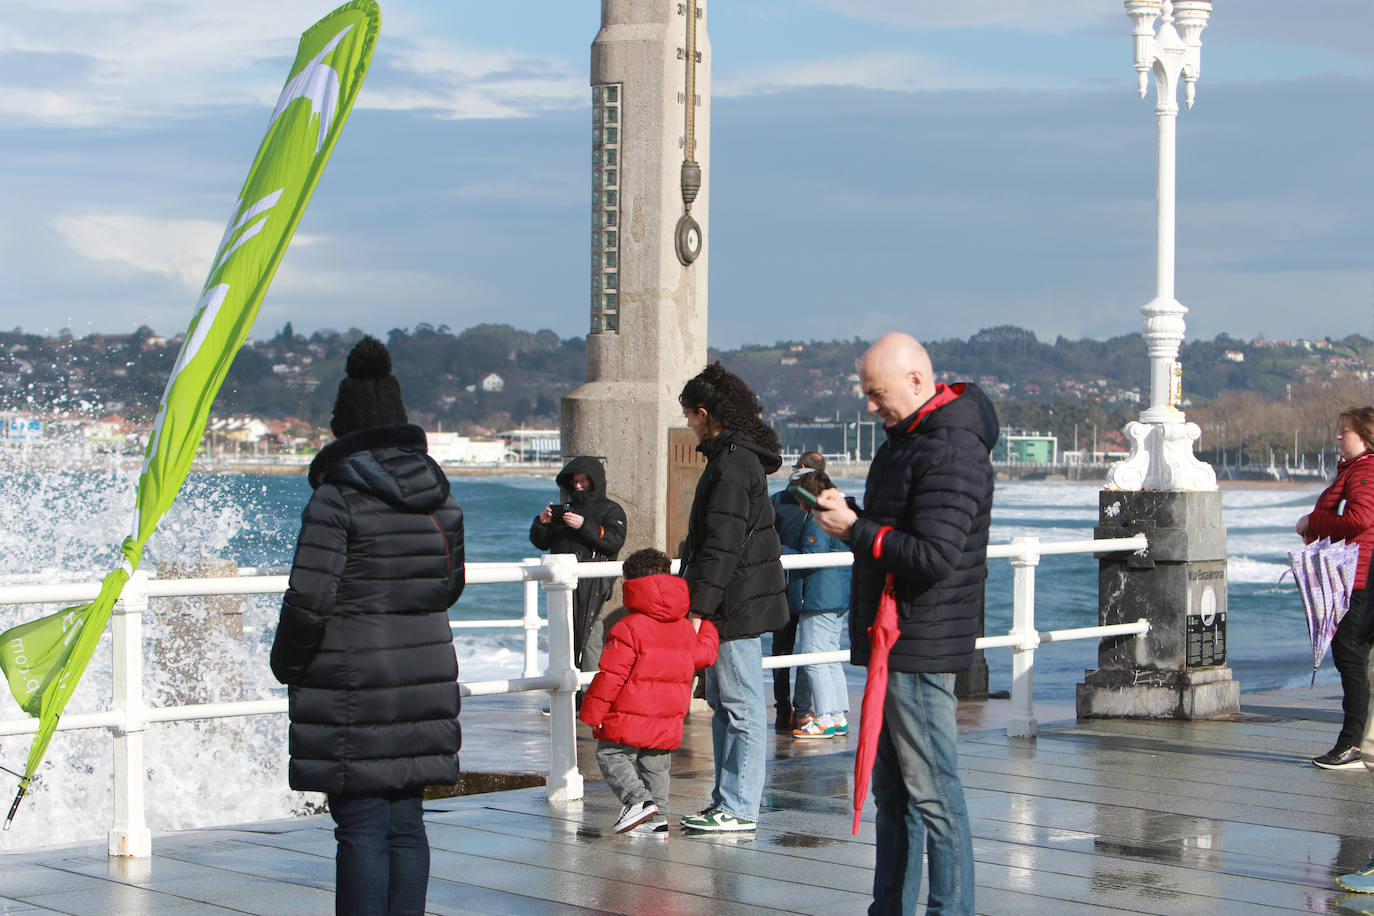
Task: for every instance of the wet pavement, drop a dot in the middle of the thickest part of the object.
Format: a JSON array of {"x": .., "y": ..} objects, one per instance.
[{"x": 1102, "y": 816}]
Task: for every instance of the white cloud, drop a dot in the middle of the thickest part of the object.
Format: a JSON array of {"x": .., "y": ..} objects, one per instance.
[
  {"x": 178, "y": 248},
  {"x": 1055, "y": 16},
  {"x": 890, "y": 70},
  {"x": 93, "y": 63}
]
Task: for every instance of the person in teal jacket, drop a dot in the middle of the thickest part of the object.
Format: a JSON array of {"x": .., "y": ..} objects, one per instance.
[{"x": 822, "y": 601}]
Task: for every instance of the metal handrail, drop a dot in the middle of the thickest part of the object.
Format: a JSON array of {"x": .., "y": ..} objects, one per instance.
[{"x": 557, "y": 575}]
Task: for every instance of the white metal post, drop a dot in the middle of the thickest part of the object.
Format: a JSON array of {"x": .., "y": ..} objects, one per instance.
[
  {"x": 565, "y": 782},
  {"x": 1021, "y": 723},
  {"x": 531, "y": 621},
  {"x": 129, "y": 835}
]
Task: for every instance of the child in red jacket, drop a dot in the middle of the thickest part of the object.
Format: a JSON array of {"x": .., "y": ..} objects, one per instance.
[{"x": 637, "y": 701}]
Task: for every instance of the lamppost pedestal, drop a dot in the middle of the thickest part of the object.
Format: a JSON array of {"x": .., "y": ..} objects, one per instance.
[{"x": 1178, "y": 669}]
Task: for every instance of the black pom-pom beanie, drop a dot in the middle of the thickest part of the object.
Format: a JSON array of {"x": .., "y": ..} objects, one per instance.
[{"x": 369, "y": 395}]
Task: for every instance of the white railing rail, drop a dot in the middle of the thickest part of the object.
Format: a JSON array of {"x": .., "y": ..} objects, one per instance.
[{"x": 128, "y": 716}]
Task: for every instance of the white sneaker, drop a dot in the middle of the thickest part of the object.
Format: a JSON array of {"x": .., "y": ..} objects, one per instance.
[
  {"x": 634, "y": 815},
  {"x": 654, "y": 827}
]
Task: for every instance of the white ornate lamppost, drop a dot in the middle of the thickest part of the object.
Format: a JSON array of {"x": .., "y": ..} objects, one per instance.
[{"x": 1162, "y": 441}]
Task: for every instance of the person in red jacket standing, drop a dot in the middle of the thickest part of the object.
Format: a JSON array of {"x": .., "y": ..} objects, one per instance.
[
  {"x": 1345, "y": 511},
  {"x": 637, "y": 701}
]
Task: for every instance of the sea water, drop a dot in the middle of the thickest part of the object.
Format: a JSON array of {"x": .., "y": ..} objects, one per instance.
[{"x": 66, "y": 526}]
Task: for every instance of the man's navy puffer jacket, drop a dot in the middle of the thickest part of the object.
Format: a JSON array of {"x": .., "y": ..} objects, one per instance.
[
  {"x": 927, "y": 508},
  {"x": 364, "y": 641}
]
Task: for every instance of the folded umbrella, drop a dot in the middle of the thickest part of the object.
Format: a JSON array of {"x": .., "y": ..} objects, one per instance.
[
  {"x": 1324, "y": 574},
  {"x": 882, "y": 633}
]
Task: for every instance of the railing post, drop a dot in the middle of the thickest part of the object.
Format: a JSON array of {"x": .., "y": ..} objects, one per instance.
[
  {"x": 531, "y": 621},
  {"x": 565, "y": 782},
  {"x": 1021, "y": 723},
  {"x": 129, "y": 835}
]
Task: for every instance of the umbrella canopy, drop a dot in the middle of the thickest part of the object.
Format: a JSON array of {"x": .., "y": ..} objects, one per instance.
[
  {"x": 882, "y": 633},
  {"x": 1325, "y": 576}
]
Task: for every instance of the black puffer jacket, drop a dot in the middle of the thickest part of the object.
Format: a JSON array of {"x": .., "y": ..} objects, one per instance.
[
  {"x": 730, "y": 557},
  {"x": 364, "y": 641},
  {"x": 603, "y": 528},
  {"x": 927, "y": 507}
]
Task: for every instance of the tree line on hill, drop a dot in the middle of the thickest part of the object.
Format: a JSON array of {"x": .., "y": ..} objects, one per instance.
[{"x": 1249, "y": 397}]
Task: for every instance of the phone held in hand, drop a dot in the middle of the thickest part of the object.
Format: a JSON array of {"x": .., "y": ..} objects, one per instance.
[{"x": 806, "y": 498}]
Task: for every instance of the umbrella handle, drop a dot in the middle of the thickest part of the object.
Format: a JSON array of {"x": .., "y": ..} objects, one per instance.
[{"x": 23, "y": 787}]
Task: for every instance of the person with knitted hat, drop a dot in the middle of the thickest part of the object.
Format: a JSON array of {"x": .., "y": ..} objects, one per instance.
[{"x": 364, "y": 644}]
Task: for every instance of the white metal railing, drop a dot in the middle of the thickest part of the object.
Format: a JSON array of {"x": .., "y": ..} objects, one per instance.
[{"x": 128, "y": 716}]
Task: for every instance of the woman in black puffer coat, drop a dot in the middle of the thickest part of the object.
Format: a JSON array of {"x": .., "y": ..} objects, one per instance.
[
  {"x": 364, "y": 642},
  {"x": 730, "y": 562}
]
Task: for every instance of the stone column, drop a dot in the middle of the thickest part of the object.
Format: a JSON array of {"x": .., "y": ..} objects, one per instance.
[{"x": 648, "y": 308}]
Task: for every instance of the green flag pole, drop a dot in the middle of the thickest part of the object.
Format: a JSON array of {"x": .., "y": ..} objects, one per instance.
[{"x": 44, "y": 659}]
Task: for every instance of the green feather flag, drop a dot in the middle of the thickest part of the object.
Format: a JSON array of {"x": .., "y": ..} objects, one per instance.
[{"x": 43, "y": 659}]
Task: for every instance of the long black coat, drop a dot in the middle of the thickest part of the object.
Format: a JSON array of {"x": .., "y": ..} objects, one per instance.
[
  {"x": 927, "y": 508},
  {"x": 600, "y": 537},
  {"x": 364, "y": 641},
  {"x": 730, "y": 557}
]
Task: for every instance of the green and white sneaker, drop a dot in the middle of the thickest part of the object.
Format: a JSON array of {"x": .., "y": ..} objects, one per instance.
[
  {"x": 1362, "y": 881},
  {"x": 716, "y": 822}
]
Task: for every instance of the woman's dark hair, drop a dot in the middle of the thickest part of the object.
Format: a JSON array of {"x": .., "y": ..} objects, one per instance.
[
  {"x": 646, "y": 562},
  {"x": 724, "y": 396},
  {"x": 1361, "y": 420}
]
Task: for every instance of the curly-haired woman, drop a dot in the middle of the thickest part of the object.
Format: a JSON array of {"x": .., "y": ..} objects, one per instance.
[{"x": 730, "y": 562}]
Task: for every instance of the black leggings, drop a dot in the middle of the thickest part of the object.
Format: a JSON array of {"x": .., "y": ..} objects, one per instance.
[{"x": 1350, "y": 653}]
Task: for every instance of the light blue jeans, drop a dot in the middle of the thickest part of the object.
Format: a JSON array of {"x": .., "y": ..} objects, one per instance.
[
  {"x": 734, "y": 688},
  {"x": 819, "y": 631},
  {"x": 920, "y": 801}
]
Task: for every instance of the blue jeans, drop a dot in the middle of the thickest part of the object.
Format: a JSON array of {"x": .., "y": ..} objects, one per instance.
[
  {"x": 920, "y": 801},
  {"x": 734, "y": 688},
  {"x": 382, "y": 864},
  {"x": 819, "y": 631}
]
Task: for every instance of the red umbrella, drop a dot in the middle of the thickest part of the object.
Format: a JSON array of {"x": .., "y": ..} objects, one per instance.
[{"x": 882, "y": 633}]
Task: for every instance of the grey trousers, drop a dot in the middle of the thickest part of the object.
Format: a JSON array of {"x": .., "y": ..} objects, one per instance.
[{"x": 635, "y": 774}]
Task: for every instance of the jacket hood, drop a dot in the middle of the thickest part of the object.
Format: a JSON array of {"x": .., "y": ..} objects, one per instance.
[
  {"x": 582, "y": 464},
  {"x": 388, "y": 462},
  {"x": 732, "y": 438},
  {"x": 662, "y": 597},
  {"x": 959, "y": 406}
]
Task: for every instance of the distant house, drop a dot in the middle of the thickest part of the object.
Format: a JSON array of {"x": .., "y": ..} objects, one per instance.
[
  {"x": 493, "y": 382},
  {"x": 787, "y": 361},
  {"x": 1235, "y": 356}
]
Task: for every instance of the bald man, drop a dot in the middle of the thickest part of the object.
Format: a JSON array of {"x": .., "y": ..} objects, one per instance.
[{"x": 924, "y": 525}]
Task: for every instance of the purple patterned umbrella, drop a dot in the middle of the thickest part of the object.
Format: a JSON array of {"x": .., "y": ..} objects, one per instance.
[{"x": 1325, "y": 575}]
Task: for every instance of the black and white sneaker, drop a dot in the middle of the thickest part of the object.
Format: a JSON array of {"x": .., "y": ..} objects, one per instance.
[
  {"x": 1340, "y": 757},
  {"x": 634, "y": 815}
]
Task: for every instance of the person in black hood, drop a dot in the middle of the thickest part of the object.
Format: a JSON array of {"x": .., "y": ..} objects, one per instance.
[
  {"x": 592, "y": 527},
  {"x": 730, "y": 562},
  {"x": 364, "y": 643},
  {"x": 924, "y": 530}
]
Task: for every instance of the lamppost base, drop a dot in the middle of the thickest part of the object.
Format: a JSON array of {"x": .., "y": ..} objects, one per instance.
[{"x": 1162, "y": 458}]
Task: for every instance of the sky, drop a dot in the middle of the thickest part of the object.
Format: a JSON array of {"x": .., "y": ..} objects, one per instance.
[{"x": 915, "y": 165}]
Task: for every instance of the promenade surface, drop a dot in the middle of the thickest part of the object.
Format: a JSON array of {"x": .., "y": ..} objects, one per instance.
[{"x": 1105, "y": 816}]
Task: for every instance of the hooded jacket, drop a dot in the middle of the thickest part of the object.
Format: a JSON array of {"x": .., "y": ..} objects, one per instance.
[
  {"x": 364, "y": 643},
  {"x": 1345, "y": 511},
  {"x": 927, "y": 509},
  {"x": 603, "y": 527},
  {"x": 730, "y": 556},
  {"x": 644, "y": 688}
]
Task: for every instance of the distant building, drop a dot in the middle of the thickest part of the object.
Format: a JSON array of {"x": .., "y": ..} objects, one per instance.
[
  {"x": 534, "y": 444},
  {"x": 1235, "y": 356},
  {"x": 855, "y": 439},
  {"x": 493, "y": 382},
  {"x": 1021, "y": 447},
  {"x": 451, "y": 448}
]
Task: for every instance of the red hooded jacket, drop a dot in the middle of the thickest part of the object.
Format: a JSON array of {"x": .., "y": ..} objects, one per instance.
[
  {"x": 641, "y": 694},
  {"x": 1345, "y": 511}
]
